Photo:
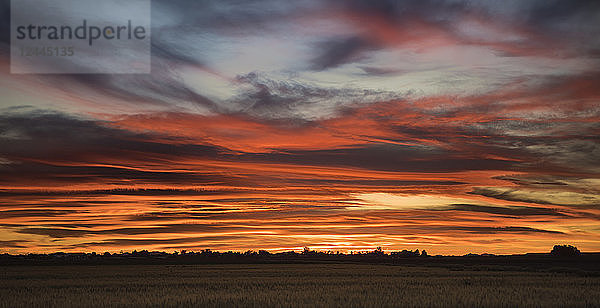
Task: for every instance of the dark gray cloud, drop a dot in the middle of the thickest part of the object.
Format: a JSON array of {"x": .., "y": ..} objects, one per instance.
[
  {"x": 562, "y": 197},
  {"x": 387, "y": 157},
  {"x": 507, "y": 210},
  {"x": 161, "y": 88},
  {"x": 339, "y": 51},
  {"x": 500, "y": 230},
  {"x": 565, "y": 15},
  {"x": 380, "y": 71},
  {"x": 474, "y": 230},
  {"x": 290, "y": 100},
  {"x": 231, "y": 16},
  {"x": 116, "y": 192},
  {"x": 566, "y": 147},
  {"x": 571, "y": 27},
  {"x": 534, "y": 181},
  {"x": 539, "y": 15},
  {"x": 14, "y": 244},
  {"x": 400, "y": 11},
  {"x": 376, "y": 183},
  {"x": 26, "y": 172},
  {"x": 147, "y": 242},
  {"x": 46, "y": 135},
  {"x": 36, "y": 213},
  {"x": 55, "y": 232},
  {"x": 48, "y": 146}
]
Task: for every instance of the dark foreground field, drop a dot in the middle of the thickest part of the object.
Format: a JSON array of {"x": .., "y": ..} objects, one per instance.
[{"x": 294, "y": 285}]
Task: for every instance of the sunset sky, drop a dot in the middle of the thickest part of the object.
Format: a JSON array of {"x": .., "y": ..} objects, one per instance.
[{"x": 451, "y": 126}]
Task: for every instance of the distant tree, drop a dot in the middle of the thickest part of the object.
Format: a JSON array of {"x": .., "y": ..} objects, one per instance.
[
  {"x": 377, "y": 252},
  {"x": 565, "y": 251},
  {"x": 306, "y": 250},
  {"x": 424, "y": 253},
  {"x": 263, "y": 253},
  {"x": 405, "y": 253}
]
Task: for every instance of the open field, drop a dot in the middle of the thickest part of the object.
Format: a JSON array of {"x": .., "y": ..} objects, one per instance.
[{"x": 295, "y": 285}]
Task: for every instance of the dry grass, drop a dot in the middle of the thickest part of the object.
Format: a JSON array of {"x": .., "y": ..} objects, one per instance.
[{"x": 296, "y": 285}]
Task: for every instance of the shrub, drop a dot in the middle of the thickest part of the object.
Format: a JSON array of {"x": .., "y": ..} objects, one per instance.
[{"x": 565, "y": 251}]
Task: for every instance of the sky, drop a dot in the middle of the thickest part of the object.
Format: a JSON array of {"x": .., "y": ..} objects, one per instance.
[{"x": 452, "y": 126}]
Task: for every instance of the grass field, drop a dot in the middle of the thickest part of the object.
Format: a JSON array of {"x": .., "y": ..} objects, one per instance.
[{"x": 294, "y": 285}]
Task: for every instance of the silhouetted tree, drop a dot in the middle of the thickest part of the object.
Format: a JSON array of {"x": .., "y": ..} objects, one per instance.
[
  {"x": 405, "y": 253},
  {"x": 565, "y": 251},
  {"x": 424, "y": 253}
]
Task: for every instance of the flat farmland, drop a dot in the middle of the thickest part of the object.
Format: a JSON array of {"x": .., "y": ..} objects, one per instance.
[{"x": 290, "y": 285}]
